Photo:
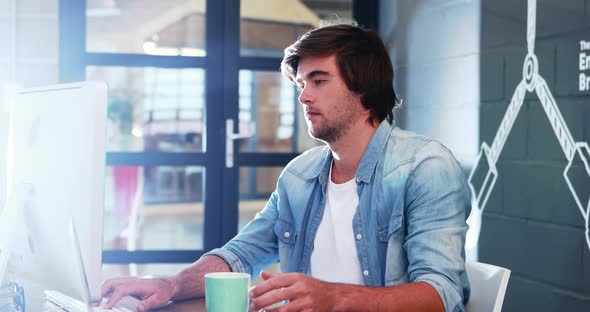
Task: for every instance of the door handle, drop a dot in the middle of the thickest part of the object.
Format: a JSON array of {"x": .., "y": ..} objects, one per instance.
[{"x": 230, "y": 136}]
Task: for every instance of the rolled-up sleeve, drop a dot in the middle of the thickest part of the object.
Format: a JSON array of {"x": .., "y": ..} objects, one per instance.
[
  {"x": 255, "y": 247},
  {"x": 438, "y": 203},
  {"x": 229, "y": 257}
]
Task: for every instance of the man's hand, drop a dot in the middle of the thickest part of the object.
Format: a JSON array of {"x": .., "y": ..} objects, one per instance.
[
  {"x": 303, "y": 292},
  {"x": 153, "y": 293}
]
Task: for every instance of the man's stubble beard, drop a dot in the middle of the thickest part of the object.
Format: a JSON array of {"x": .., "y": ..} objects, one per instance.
[{"x": 330, "y": 133}]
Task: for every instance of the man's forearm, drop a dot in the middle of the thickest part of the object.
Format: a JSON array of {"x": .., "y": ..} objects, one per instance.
[
  {"x": 419, "y": 296},
  {"x": 190, "y": 282}
]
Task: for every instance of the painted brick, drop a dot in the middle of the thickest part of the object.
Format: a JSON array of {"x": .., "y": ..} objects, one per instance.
[
  {"x": 457, "y": 88},
  {"x": 523, "y": 295},
  {"x": 5, "y": 45},
  {"x": 542, "y": 140},
  {"x": 441, "y": 124},
  {"x": 4, "y": 76},
  {"x": 559, "y": 17},
  {"x": 398, "y": 117},
  {"x": 544, "y": 252},
  {"x": 399, "y": 50},
  {"x": 444, "y": 28},
  {"x": 37, "y": 38},
  {"x": 528, "y": 295},
  {"x": 525, "y": 185},
  {"x": 566, "y": 209},
  {"x": 586, "y": 275},
  {"x": 505, "y": 28},
  {"x": 568, "y": 71},
  {"x": 490, "y": 118},
  {"x": 559, "y": 247},
  {"x": 477, "y": 179},
  {"x": 495, "y": 202},
  {"x": 579, "y": 177},
  {"x": 400, "y": 78},
  {"x": 501, "y": 242},
  {"x": 577, "y": 111},
  {"x": 539, "y": 232},
  {"x": 545, "y": 52},
  {"x": 520, "y": 184},
  {"x": 514, "y": 57},
  {"x": 4, "y": 7},
  {"x": 492, "y": 76},
  {"x": 399, "y": 38},
  {"x": 460, "y": 137},
  {"x": 37, "y": 74},
  {"x": 37, "y": 6}
]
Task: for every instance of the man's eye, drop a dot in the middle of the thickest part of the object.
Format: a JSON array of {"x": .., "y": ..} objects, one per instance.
[{"x": 319, "y": 82}]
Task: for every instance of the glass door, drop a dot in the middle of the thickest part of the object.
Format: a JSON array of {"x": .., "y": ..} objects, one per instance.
[{"x": 201, "y": 122}]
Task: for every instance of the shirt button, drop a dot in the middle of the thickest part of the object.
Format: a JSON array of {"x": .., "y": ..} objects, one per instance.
[
  {"x": 358, "y": 180},
  {"x": 359, "y": 236},
  {"x": 287, "y": 234},
  {"x": 366, "y": 272}
]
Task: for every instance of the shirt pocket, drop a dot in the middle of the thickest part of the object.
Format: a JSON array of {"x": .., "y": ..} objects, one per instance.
[
  {"x": 396, "y": 264},
  {"x": 285, "y": 232},
  {"x": 286, "y": 237},
  {"x": 390, "y": 228}
]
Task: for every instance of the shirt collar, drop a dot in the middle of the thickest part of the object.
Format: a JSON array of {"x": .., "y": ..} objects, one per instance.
[
  {"x": 368, "y": 162},
  {"x": 373, "y": 152}
]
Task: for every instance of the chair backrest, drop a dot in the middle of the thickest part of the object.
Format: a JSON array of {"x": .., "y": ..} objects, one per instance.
[{"x": 488, "y": 286}]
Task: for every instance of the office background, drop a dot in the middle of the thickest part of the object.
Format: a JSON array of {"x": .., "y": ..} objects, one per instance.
[
  {"x": 177, "y": 70},
  {"x": 459, "y": 64}
]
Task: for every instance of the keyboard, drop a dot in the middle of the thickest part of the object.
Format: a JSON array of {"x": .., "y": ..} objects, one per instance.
[{"x": 72, "y": 305}]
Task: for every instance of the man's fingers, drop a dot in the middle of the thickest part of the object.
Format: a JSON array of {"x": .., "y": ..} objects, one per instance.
[
  {"x": 267, "y": 275},
  {"x": 123, "y": 290},
  {"x": 114, "y": 298},
  {"x": 276, "y": 281},
  {"x": 109, "y": 285},
  {"x": 150, "y": 302},
  {"x": 106, "y": 288},
  {"x": 272, "y": 297}
]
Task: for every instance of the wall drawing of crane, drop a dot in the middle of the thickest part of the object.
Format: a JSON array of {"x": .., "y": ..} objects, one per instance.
[{"x": 484, "y": 174}]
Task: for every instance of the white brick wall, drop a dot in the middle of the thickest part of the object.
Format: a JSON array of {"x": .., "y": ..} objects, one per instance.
[
  {"x": 434, "y": 46},
  {"x": 37, "y": 6},
  {"x": 36, "y": 44},
  {"x": 36, "y": 63},
  {"x": 4, "y": 33},
  {"x": 37, "y": 38}
]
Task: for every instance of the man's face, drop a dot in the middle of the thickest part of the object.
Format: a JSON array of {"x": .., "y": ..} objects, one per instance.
[{"x": 331, "y": 109}]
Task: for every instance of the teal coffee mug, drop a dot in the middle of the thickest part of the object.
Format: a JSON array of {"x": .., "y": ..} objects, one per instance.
[{"x": 227, "y": 291}]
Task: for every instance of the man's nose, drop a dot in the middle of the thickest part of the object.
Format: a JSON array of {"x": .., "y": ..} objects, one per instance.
[{"x": 305, "y": 97}]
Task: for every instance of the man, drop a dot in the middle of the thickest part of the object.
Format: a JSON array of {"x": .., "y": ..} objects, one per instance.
[{"x": 373, "y": 221}]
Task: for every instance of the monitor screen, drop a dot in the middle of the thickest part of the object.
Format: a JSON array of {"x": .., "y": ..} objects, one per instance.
[{"x": 58, "y": 163}]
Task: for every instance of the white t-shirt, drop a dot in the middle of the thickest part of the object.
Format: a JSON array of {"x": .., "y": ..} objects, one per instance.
[{"x": 334, "y": 257}]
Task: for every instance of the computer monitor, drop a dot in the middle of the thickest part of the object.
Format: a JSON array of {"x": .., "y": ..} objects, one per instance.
[{"x": 58, "y": 167}]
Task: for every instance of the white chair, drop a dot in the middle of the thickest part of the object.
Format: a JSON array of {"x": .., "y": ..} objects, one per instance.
[{"x": 488, "y": 286}]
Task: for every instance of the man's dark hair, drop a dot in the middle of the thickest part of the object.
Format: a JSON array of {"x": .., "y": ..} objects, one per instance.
[{"x": 362, "y": 60}]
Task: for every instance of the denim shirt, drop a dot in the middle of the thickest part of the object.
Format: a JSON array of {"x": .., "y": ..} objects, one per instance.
[{"x": 409, "y": 225}]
